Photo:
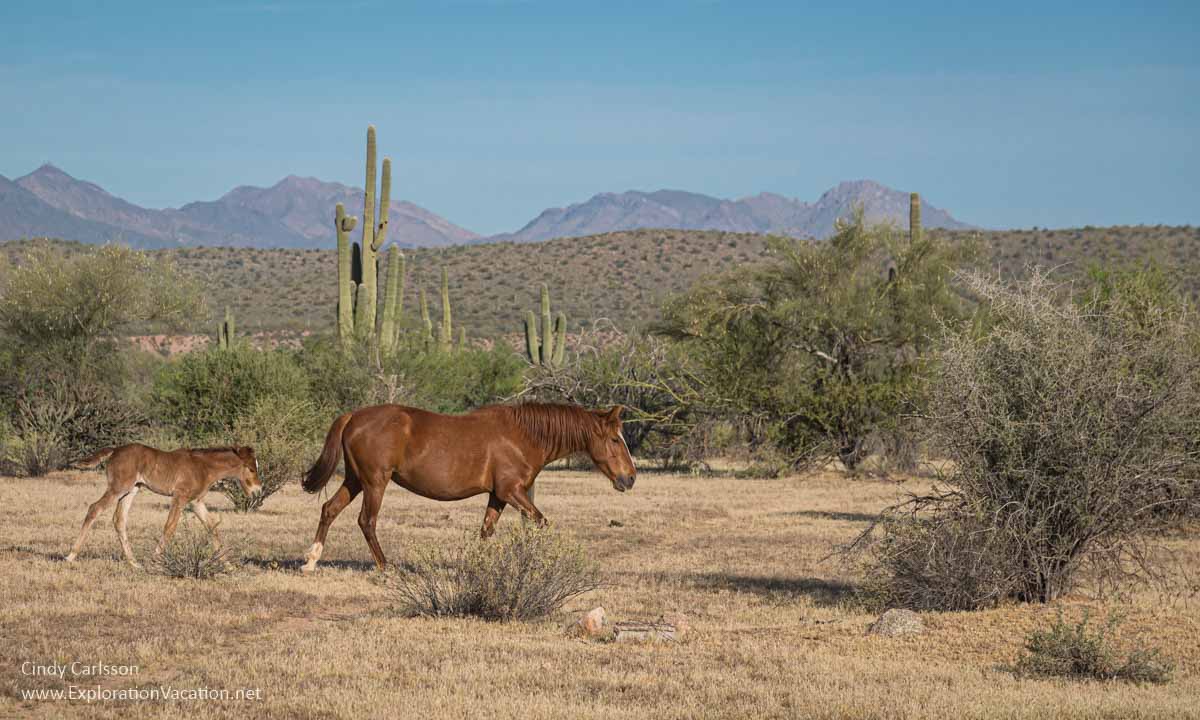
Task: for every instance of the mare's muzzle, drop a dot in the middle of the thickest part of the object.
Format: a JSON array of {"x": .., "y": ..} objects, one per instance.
[{"x": 623, "y": 482}]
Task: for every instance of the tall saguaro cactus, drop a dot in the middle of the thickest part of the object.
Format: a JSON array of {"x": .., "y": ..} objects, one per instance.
[
  {"x": 914, "y": 217},
  {"x": 550, "y": 350},
  {"x": 446, "y": 331},
  {"x": 393, "y": 301},
  {"x": 225, "y": 330},
  {"x": 358, "y": 266}
]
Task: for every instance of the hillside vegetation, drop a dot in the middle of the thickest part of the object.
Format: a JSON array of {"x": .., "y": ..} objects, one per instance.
[{"x": 621, "y": 276}]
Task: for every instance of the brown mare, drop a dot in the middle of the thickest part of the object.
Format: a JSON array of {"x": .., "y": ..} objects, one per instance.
[
  {"x": 498, "y": 450},
  {"x": 185, "y": 475}
]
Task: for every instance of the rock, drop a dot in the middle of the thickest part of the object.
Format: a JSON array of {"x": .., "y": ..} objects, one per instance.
[
  {"x": 644, "y": 632},
  {"x": 590, "y": 624},
  {"x": 897, "y": 622},
  {"x": 679, "y": 621},
  {"x": 615, "y": 523}
]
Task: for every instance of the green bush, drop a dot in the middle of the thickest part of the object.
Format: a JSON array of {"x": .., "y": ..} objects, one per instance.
[
  {"x": 522, "y": 573},
  {"x": 1077, "y": 652},
  {"x": 201, "y": 395},
  {"x": 823, "y": 345},
  {"x": 287, "y": 435}
]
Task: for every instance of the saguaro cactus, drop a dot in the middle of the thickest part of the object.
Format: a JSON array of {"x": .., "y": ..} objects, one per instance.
[
  {"x": 550, "y": 350},
  {"x": 446, "y": 331},
  {"x": 426, "y": 322},
  {"x": 393, "y": 301},
  {"x": 358, "y": 280},
  {"x": 914, "y": 217},
  {"x": 225, "y": 330}
]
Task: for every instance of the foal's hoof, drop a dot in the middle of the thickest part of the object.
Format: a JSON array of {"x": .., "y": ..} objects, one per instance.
[
  {"x": 135, "y": 565},
  {"x": 307, "y": 569}
]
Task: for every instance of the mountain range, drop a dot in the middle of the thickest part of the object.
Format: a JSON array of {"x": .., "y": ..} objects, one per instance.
[{"x": 297, "y": 212}]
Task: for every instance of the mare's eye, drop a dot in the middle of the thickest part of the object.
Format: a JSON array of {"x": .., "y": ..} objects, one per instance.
[{"x": 616, "y": 440}]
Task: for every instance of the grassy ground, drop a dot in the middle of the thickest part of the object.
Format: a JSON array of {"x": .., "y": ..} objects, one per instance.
[{"x": 775, "y": 632}]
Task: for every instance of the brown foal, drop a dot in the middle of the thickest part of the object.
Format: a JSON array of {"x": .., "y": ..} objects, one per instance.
[
  {"x": 184, "y": 475},
  {"x": 498, "y": 450}
]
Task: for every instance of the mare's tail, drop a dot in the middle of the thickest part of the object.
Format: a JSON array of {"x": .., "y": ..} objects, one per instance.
[
  {"x": 92, "y": 460},
  {"x": 331, "y": 455}
]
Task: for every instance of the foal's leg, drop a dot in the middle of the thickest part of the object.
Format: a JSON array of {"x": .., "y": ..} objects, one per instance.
[
  {"x": 108, "y": 498},
  {"x": 177, "y": 504},
  {"x": 210, "y": 521},
  {"x": 119, "y": 519},
  {"x": 349, "y": 490},
  {"x": 494, "y": 508},
  {"x": 372, "y": 501}
]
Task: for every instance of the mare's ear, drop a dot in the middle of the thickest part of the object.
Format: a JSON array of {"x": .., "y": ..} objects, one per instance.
[{"x": 614, "y": 415}]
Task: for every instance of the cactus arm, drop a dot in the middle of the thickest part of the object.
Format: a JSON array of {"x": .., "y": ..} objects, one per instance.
[
  {"x": 361, "y": 326},
  {"x": 385, "y": 201},
  {"x": 462, "y": 337},
  {"x": 532, "y": 347},
  {"x": 560, "y": 339}
]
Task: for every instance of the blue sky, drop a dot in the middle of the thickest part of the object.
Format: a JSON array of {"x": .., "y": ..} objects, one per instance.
[{"x": 1007, "y": 114}]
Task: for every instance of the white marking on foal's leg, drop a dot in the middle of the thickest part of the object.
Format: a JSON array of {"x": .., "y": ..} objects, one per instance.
[{"x": 314, "y": 554}]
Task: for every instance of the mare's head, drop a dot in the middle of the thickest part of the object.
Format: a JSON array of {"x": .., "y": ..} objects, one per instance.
[
  {"x": 609, "y": 451},
  {"x": 248, "y": 472}
]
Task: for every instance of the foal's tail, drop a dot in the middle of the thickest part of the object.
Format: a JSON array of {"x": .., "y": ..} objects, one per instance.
[
  {"x": 94, "y": 459},
  {"x": 331, "y": 455}
]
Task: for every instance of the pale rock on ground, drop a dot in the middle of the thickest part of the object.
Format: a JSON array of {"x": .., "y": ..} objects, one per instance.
[{"x": 897, "y": 622}]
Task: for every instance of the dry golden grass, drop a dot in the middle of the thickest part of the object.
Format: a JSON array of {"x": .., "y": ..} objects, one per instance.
[{"x": 774, "y": 631}]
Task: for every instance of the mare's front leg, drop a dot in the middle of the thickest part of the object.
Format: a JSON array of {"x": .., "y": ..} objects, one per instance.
[
  {"x": 513, "y": 492},
  {"x": 177, "y": 504}
]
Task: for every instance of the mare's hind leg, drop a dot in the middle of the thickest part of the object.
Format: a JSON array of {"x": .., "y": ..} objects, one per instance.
[
  {"x": 115, "y": 490},
  {"x": 372, "y": 501},
  {"x": 120, "y": 517},
  {"x": 333, "y": 507},
  {"x": 494, "y": 508}
]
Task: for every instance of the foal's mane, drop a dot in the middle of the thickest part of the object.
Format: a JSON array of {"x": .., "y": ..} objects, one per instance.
[{"x": 557, "y": 428}]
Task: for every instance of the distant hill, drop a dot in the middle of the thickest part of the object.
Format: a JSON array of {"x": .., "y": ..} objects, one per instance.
[
  {"x": 295, "y": 212},
  {"x": 622, "y": 276},
  {"x": 762, "y": 213}
]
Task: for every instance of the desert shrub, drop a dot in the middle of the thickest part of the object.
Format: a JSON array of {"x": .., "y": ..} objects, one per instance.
[
  {"x": 201, "y": 395},
  {"x": 286, "y": 434},
  {"x": 1068, "y": 427},
  {"x": 522, "y": 573},
  {"x": 949, "y": 562},
  {"x": 1078, "y": 652},
  {"x": 60, "y": 419},
  {"x": 450, "y": 382},
  {"x": 64, "y": 304},
  {"x": 340, "y": 381},
  {"x": 821, "y": 345},
  {"x": 646, "y": 375},
  {"x": 193, "y": 554}
]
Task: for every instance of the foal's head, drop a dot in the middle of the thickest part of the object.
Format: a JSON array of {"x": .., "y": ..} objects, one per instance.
[
  {"x": 248, "y": 473},
  {"x": 608, "y": 450}
]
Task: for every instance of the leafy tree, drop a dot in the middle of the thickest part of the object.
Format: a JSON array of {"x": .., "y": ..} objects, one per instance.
[{"x": 822, "y": 344}]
